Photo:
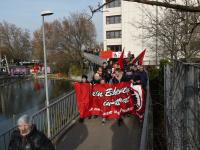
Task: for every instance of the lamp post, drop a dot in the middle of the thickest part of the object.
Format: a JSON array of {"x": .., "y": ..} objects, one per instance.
[
  {"x": 156, "y": 34},
  {"x": 43, "y": 14}
]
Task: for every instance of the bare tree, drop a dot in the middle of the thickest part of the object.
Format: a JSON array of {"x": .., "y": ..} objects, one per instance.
[
  {"x": 177, "y": 32},
  {"x": 37, "y": 45},
  {"x": 16, "y": 41},
  {"x": 53, "y": 36},
  {"x": 80, "y": 33},
  {"x": 71, "y": 35}
]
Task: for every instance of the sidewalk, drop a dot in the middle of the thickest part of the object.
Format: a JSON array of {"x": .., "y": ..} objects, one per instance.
[{"x": 93, "y": 135}]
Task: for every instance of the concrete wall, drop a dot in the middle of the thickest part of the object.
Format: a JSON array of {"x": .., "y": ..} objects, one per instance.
[
  {"x": 131, "y": 15},
  {"x": 111, "y": 12}
]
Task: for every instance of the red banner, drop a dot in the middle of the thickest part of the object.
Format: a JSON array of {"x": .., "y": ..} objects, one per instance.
[
  {"x": 139, "y": 97},
  {"x": 106, "y": 54},
  {"x": 109, "y": 100}
]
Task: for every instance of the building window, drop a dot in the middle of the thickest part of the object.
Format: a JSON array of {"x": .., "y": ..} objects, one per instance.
[
  {"x": 115, "y": 48},
  {"x": 113, "y": 19},
  {"x": 113, "y": 34},
  {"x": 116, "y": 3}
]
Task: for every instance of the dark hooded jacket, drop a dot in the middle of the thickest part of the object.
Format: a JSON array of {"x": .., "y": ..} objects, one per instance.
[
  {"x": 115, "y": 81},
  {"x": 35, "y": 140}
]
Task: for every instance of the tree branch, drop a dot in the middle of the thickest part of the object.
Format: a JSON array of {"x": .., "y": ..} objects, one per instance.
[
  {"x": 168, "y": 5},
  {"x": 93, "y": 11},
  {"x": 156, "y": 3}
]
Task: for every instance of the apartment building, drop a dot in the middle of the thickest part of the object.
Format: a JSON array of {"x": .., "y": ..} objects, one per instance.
[{"x": 120, "y": 19}]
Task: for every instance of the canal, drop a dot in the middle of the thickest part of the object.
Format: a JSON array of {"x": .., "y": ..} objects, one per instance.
[{"x": 27, "y": 96}]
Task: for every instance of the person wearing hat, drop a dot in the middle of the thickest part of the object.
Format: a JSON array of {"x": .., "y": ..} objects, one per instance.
[{"x": 27, "y": 137}]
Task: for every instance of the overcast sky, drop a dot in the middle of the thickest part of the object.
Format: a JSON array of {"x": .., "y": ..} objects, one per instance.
[{"x": 26, "y": 13}]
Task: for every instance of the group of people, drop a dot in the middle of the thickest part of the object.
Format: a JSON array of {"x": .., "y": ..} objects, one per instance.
[
  {"x": 113, "y": 73},
  {"x": 27, "y": 137}
]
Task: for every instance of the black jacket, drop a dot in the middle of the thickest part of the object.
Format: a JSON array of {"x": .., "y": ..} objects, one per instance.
[
  {"x": 35, "y": 140},
  {"x": 143, "y": 78},
  {"x": 115, "y": 81}
]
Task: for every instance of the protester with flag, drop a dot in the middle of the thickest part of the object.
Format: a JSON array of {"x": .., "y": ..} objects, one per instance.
[
  {"x": 120, "y": 61},
  {"x": 139, "y": 59}
]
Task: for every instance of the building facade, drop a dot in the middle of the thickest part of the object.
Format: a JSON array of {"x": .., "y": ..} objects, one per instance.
[{"x": 120, "y": 21}]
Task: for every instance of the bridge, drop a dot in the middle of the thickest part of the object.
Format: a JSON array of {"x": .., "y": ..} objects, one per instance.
[
  {"x": 68, "y": 133},
  {"x": 181, "y": 110}
]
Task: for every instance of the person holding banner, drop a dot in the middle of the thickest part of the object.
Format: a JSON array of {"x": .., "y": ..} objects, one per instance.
[
  {"x": 119, "y": 76},
  {"x": 96, "y": 78},
  {"x": 103, "y": 81},
  {"x": 84, "y": 79}
]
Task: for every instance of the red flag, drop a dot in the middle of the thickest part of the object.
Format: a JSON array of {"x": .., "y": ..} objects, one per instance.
[
  {"x": 139, "y": 59},
  {"x": 120, "y": 61},
  {"x": 106, "y": 54}
]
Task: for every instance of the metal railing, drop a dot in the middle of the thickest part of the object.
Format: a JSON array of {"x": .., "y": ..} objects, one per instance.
[
  {"x": 5, "y": 138},
  {"x": 10, "y": 80},
  {"x": 146, "y": 142},
  {"x": 182, "y": 106},
  {"x": 62, "y": 112}
]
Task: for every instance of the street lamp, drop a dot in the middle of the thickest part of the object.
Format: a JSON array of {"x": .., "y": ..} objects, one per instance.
[{"x": 46, "y": 13}]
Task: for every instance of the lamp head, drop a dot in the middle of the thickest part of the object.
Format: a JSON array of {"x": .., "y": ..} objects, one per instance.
[{"x": 46, "y": 13}]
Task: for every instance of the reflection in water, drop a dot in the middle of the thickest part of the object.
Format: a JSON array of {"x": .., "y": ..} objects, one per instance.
[{"x": 28, "y": 94}]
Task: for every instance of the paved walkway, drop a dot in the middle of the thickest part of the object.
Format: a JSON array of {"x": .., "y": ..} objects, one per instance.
[
  {"x": 94, "y": 58},
  {"x": 93, "y": 135}
]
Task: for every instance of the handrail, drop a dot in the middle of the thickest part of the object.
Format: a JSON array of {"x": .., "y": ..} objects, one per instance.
[
  {"x": 53, "y": 103},
  {"x": 146, "y": 138},
  {"x": 62, "y": 112}
]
